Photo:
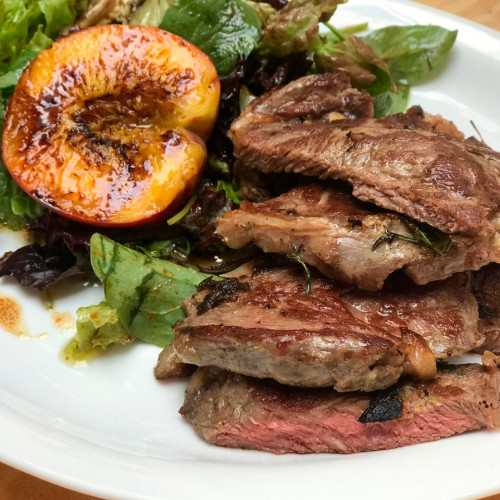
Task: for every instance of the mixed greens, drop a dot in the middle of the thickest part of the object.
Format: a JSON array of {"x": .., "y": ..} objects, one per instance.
[
  {"x": 26, "y": 28},
  {"x": 147, "y": 272}
]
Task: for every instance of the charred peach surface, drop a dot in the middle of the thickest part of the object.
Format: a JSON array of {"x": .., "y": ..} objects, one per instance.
[{"x": 108, "y": 125}]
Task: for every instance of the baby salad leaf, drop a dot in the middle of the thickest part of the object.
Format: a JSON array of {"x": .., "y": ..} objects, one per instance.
[
  {"x": 145, "y": 292},
  {"x": 223, "y": 29},
  {"x": 356, "y": 58},
  {"x": 411, "y": 51},
  {"x": 150, "y": 13},
  {"x": 229, "y": 191},
  {"x": 40, "y": 266},
  {"x": 388, "y": 102},
  {"x": 96, "y": 328},
  {"x": 263, "y": 10},
  {"x": 15, "y": 206},
  {"x": 295, "y": 27}
]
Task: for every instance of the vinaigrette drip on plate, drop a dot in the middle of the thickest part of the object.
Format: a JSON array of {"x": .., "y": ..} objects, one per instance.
[{"x": 11, "y": 319}]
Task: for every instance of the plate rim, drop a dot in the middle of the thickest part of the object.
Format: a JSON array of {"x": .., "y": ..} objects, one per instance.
[{"x": 16, "y": 454}]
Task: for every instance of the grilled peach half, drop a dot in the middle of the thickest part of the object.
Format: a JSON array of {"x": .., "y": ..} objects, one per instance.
[{"x": 107, "y": 127}]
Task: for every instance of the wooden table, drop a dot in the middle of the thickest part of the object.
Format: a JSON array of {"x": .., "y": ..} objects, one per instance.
[{"x": 16, "y": 485}]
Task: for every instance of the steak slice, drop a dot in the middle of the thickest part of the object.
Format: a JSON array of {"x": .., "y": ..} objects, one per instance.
[
  {"x": 490, "y": 328},
  {"x": 327, "y": 97},
  {"x": 235, "y": 411},
  {"x": 170, "y": 366},
  {"x": 337, "y": 234},
  {"x": 322, "y": 97},
  {"x": 485, "y": 285},
  {"x": 402, "y": 163},
  {"x": 267, "y": 326},
  {"x": 444, "y": 313}
]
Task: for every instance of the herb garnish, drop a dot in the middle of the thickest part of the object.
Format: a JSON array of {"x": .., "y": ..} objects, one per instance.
[
  {"x": 423, "y": 234},
  {"x": 295, "y": 257}
]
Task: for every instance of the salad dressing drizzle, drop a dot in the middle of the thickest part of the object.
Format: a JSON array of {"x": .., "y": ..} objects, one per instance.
[{"x": 11, "y": 319}]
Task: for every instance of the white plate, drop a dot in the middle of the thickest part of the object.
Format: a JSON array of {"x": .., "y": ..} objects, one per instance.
[{"x": 111, "y": 430}]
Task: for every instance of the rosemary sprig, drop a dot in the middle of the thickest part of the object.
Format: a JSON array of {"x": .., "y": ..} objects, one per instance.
[
  {"x": 423, "y": 235},
  {"x": 295, "y": 257}
]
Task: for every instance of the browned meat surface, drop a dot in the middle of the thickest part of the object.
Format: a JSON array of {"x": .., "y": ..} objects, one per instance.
[
  {"x": 336, "y": 234},
  {"x": 328, "y": 97},
  {"x": 485, "y": 285},
  {"x": 334, "y": 336},
  {"x": 445, "y": 313},
  {"x": 311, "y": 98},
  {"x": 170, "y": 366},
  {"x": 231, "y": 410},
  {"x": 402, "y": 163},
  {"x": 490, "y": 328}
]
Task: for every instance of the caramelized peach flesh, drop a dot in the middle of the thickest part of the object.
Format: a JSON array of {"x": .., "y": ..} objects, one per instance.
[{"x": 107, "y": 127}]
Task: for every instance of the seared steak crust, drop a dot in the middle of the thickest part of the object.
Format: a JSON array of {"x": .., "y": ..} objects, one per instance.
[
  {"x": 231, "y": 410},
  {"x": 276, "y": 330},
  {"x": 310, "y": 98},
  {"x": 401, "y": 163},
  {"x": 336, "y": 233},
  {"x": 444, "y": 313},
  {"x": 332, "y": 337}
]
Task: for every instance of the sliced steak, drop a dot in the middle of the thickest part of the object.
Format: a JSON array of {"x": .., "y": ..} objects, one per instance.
[
  {"x": 444, "y": 313},
  {"x": 402, "y": 162},
  {"x": 268, "y": 326},
  {"x": 485, "y": 285},
  {"x": 337, "y": 234},
  {"x": 231, "y": 410},
  {"x": 327, "y": 97},
  {"x": 490, "y": 328},
  {"x": 170, "y": 366}
]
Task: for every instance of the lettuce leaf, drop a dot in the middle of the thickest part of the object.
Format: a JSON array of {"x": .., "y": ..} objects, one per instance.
[
  {"x": 389, "y": 102},
  {"x": 24, "y": 22},
  {"x": 294, "y": 28},
  {"x": 97, "y": 327},
  {"x": 16, "y": 207},
  {"x": 356, "y": 58},
  {"x": 150, "y": 13},
  {"x": 145, "y": 292},
  {"x": 411, "y": 51},
  {"x": 26, "y": 27},
  {"x": 223, "y": 29},
  {"x": 229, "y": 191}
]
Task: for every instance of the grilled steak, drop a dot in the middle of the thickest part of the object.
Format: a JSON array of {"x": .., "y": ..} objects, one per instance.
[
  {"x": 334, "y": 336},
  {"x": 403, "y": 162},
  {"x": 444, "y": 313},
  {"x": 170, "y": 366},
  {"x": 490, "y": 328},
  {"x": 485, "y": 285},
  {"x": 327, "y": 97},
  {"x": 337, "y": 234},
  {"x": 231, "y": 410}
]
